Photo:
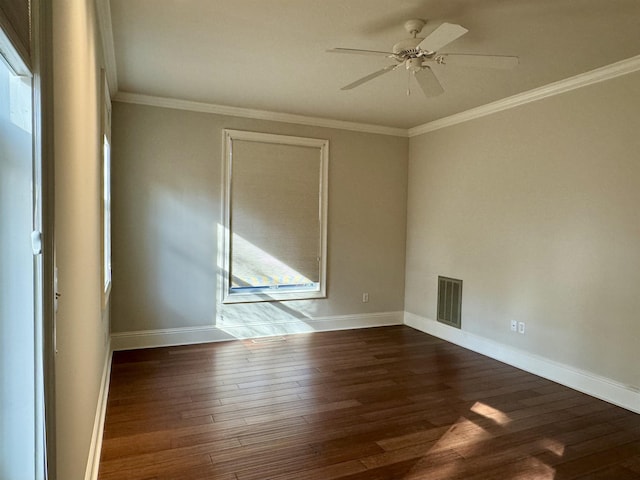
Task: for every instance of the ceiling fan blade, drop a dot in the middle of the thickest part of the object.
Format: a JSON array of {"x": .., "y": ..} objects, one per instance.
[
  {"x": 441, "y": 36},
  {"x": 359, "y": 52},
  {"x": 371, "y": 76},
  {"x": 473, "y": 60},
  {"x": 428, "y": 82}
]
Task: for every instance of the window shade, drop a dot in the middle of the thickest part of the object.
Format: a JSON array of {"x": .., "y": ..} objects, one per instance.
[
  {"x": 275, "y": 215},
  {"x": 15, "y": 20}
]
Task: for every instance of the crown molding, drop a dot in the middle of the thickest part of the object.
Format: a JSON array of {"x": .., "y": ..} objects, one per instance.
[
  {"x": 153, "y": 101},
  {"x": 103, "y": 12},
  {"x": 608, "y": 72}
]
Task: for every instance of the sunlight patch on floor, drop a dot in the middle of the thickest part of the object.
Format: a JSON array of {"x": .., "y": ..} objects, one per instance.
[
  {"x": 494, "y": 414},
  {"x": 553, "y": 446},
  {"x": 463, "y": 432}
]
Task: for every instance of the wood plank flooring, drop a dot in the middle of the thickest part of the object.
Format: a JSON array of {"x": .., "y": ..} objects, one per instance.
[{"x": 372, "y": 404}]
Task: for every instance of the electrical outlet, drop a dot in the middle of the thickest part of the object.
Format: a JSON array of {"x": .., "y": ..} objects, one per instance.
[
  {"x": 514, "y": 326},
  {"x": 521, "y": 327},
  {"x": 365, "y": 297}
]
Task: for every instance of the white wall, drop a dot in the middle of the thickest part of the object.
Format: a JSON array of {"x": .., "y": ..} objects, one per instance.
[
  {"x": 536, "y": 210},
  {"x": 166, "y": 215},
  {"x": 81, "y": 326}
]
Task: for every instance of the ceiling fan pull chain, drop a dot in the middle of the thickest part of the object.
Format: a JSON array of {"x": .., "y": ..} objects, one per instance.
[{"x": 409, "y": 85}]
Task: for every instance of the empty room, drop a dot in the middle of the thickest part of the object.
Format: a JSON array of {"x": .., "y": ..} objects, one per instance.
[{"x": 302, "y": 239}]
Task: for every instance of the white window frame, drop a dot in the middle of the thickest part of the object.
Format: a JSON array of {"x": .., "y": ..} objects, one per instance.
[{"x": 323, "y": 158}]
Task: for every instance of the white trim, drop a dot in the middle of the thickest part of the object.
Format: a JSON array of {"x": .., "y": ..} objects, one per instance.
[
  {"x": 103, "y": 11},
  {"x": 608, "y": 72},
  {"x": 309, "y": 325},
  {"x": 350, "y": 322},
  {"x": 205, "y": 334},
  {"x": 149, "y": 100},
  {"x": 587, "y": 382},
  {"x": 167, "y": 337},
  {"x": 322, "y": 145},
  {"x": 601, "y": 74},
  {"x": 95, "y": 449}
]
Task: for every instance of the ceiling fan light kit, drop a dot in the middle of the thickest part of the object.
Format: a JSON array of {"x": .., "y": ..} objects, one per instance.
[{"x": 416, "y": 53}]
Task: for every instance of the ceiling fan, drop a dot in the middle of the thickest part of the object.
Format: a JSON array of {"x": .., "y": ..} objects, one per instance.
[{"x": 416, "y": 54}]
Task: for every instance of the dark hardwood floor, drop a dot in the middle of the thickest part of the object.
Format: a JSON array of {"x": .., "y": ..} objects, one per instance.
[{"x": 371, "y": 404}]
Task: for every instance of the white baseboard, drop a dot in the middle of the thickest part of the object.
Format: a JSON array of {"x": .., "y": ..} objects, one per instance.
[
  {"x": 205, "y": 334},
  {"x": 349, "y": 322},
  {"x": 583, "y": 381},
  {"x": 93, "y": 462},
  {"x": 167, "y": 337}
]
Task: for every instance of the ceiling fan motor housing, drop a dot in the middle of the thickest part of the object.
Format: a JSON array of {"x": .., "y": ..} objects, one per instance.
[{"x": 407, "y": 48}]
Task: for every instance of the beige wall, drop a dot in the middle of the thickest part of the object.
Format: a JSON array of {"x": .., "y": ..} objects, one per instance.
[
  {"x": 537, "y": 210},
  {"x": 166, "y": 212},
  {"x": 81, "y": 324}
]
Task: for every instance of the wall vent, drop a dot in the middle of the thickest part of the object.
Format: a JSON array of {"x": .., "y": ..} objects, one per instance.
[{"x": 449, "y": 301}]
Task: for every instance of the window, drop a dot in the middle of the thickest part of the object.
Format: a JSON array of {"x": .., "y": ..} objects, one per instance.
[
  {"x": 106, "y": 213},
  {"x": 275, "y": 218},
  {"x": 106, "y": 192},
  {"x": 22, "y": 426}
]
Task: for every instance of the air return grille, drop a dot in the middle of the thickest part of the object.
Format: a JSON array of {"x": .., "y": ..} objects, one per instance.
[{"x": 449, "y": 301}]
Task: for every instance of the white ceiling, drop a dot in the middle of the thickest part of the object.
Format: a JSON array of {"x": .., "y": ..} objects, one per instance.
[{"x": 271, "y": 54}]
